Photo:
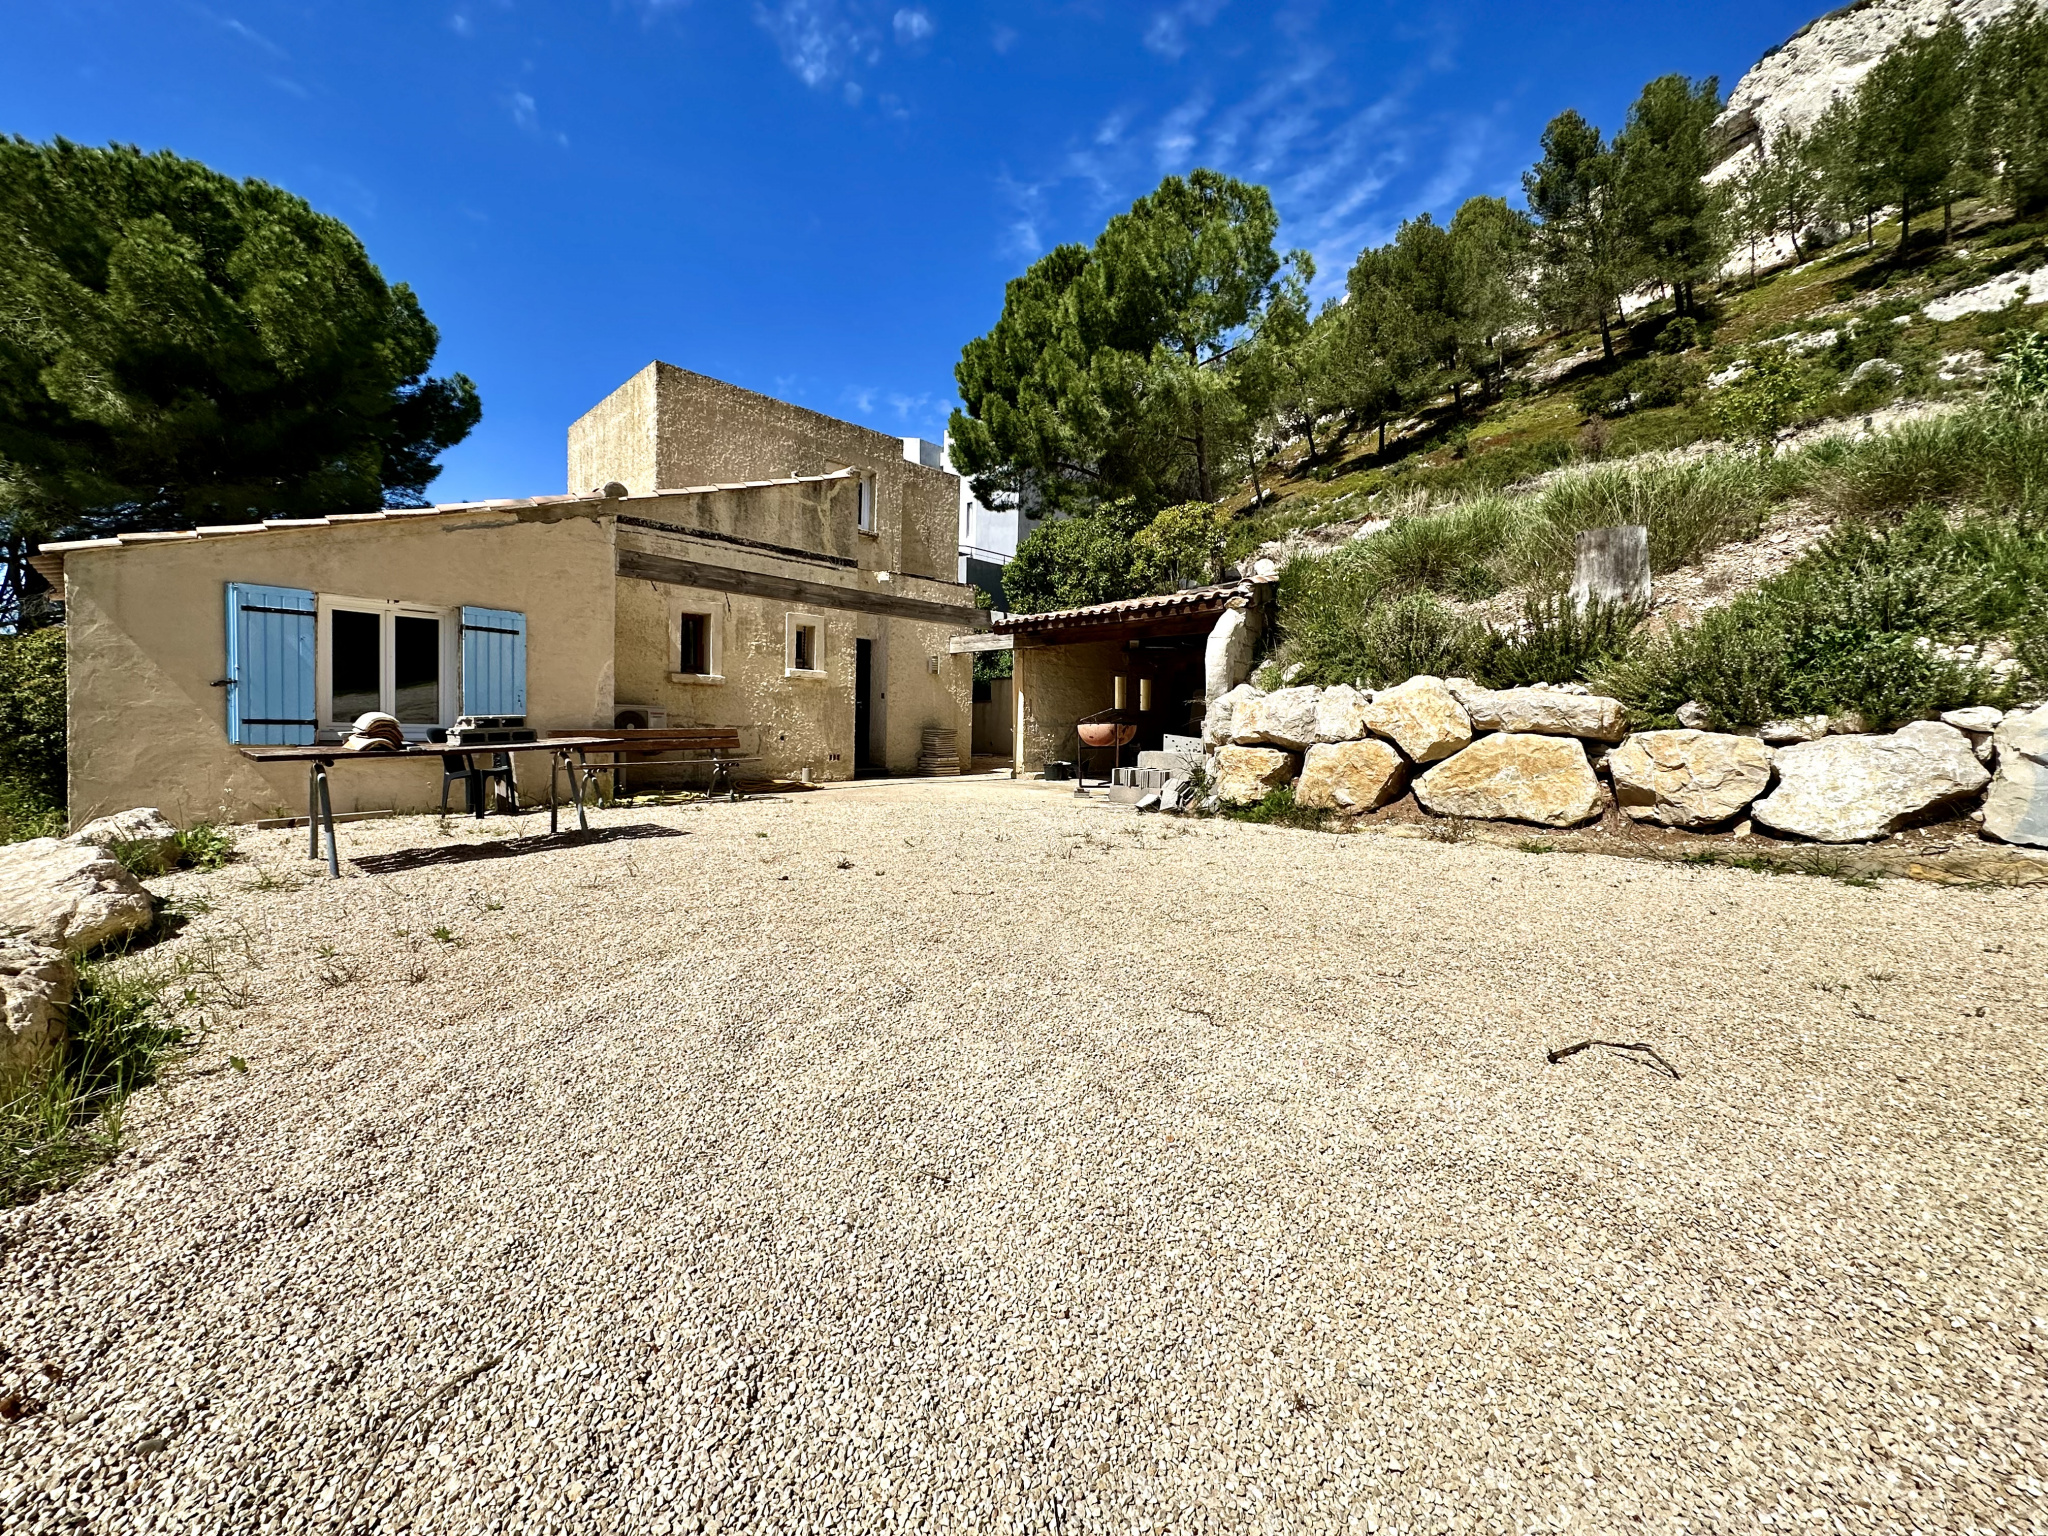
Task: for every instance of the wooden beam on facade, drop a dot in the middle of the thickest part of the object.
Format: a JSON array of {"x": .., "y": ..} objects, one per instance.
[
  {"x": 667, "y": 569},
  {"x": 960, "y": 643}
]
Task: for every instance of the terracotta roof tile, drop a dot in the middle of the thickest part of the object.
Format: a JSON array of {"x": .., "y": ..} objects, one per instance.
[{"x": 1192, "y": 600}]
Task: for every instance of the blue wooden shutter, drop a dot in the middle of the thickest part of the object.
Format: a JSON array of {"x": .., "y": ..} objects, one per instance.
[
  {"x": 271, "y": 646},
  {"x": 493, "y": 662}
]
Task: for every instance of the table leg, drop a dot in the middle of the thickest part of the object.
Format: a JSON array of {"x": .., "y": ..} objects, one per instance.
[
  {"x": 554, "y": 767},
  {"x": 312, "y": 810},
  {"x": 577, "y": 776},
  {"x": 327, "y": 816}
]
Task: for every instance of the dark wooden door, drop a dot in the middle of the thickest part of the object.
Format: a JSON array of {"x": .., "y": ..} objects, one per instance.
[{"x": 863, "y": 708}]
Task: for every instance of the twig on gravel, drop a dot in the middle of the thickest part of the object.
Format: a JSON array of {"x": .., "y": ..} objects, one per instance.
[
  {"x": 1554, "y": 1057},
  {"x": 446, "y": 1390}
]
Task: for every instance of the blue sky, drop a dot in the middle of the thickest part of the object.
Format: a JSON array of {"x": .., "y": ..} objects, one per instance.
[{"x": 820, "y": 199}]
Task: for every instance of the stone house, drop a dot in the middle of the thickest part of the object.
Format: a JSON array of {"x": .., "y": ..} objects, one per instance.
[{"x": 722, "y": 558}]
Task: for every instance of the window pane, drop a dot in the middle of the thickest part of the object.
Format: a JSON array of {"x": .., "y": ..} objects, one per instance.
[
  {"x": 695, "y": 656},
  {"x": 803, "y": 648},
  {"x": 417, "y": 683},
  {"x": 358, "y": 664}
]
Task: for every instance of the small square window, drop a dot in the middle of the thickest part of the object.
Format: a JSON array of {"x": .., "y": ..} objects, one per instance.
[{"x": 804, "y": 646}]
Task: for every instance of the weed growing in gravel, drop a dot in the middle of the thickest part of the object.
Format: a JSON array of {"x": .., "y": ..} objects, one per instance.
[
  {"x": 277, "y": 880},
  {"x": 128, "y": 1021},
  {"x": 481, "y": 902},
  {"x": 204, "y": 846},
  {"x": 1532, "y": 845},
  {"x": 200, "y": 846},
  {"x": 1449, "y": 829},
  {"x": 1278, "y": 810},
  {"x": 443, "y": 934}
]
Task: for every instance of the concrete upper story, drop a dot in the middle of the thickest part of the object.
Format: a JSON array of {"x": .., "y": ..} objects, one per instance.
[{"x": 666, "y": 428}]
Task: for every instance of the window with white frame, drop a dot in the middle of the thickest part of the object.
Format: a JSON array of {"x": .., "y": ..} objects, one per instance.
[
  {"x": 864, "y": 517},
  {"x": 394, "y": 658},
  {"x": 803, "y": 653}
]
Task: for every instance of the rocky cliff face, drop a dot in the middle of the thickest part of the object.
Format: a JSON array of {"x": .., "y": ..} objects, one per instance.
[{"x": 1793, "y": 83}]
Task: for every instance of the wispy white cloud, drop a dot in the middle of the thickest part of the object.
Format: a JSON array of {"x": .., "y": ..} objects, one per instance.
[
  {"x": 1176, "y": 139},
  {"x": 526, "y": 118},
  {"x": 289, "y": 86},
  {"x": 1167, "y": 33},
  {"x": 460, "y": 24},
  {"x": 913, "y": 25},
  {"x": 1343, "y": 169},
  {"x": 818, "y": 39},
  {"x": 1460, "y": 160},
  {"x": 238, "y": 28},
  {"x": 1002, "y": 38}
]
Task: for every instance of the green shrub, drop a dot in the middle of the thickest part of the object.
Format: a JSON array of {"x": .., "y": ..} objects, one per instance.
[
  {"x": 24, "y": 815},
  {"x": 1688, "y": 508},
  {"x": 1857, "y": 624},
  {"x": 1774, "y": 393},
  {"x": 32, "y": 718},
  {"x": 1449, "y": 551},
  {"x": 1560, "y": 641},
  {"x": 2021, "y": 383},
  {"x": 1341, "y": 632},
  {"x": 58, "y": 1122},
  {"x": 1996, "y": 459},
  {"x": 1277, "y": 810},
  {"x": 1639, "y": 386},
  {"x": 1681, "y": 334}
]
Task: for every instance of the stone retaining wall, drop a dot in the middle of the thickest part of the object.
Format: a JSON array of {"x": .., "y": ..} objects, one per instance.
[{"x": 1559, "y": 756}]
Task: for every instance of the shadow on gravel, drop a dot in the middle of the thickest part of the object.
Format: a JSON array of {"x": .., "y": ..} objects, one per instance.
[{"x": 510, "y": 848}]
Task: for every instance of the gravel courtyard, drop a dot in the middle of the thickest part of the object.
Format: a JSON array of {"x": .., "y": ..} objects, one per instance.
[{"x": 954, "y": 1156}]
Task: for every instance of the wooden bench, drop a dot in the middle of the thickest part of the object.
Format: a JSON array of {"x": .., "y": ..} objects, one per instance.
[{"x": 714, "y": 746}]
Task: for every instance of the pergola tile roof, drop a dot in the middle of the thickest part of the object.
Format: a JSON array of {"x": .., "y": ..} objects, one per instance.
[{"x": 1193, "y": 600}]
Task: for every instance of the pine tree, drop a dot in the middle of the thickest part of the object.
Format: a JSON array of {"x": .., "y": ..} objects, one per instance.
[
  {"x": 2009, "y": 107},
  {"x": 1671, "y": 214},
  {"x": 1490, "y": 256},
  {"x": 1587, "y": 259},
  {"x": 1108, "y": 374},
  {"x": 177, "y": 347},
  {"x": 1911, "y": 122}
]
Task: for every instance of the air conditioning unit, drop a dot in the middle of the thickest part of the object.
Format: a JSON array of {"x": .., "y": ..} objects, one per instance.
[{"x": 640, "y": 717}]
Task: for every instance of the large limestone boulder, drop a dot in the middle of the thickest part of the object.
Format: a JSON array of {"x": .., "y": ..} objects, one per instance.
[
  {"x": 1285, "y": 718},
  {"x": 2016, "y": 809},
  {"x": 1220, "y": 723},
  {"x": 1544, "y": 712},
  {"x": 1244, "y": 775},
  {"x": 1340, "y": 714},
  {"x": 1515, "y": 777},
  {"x": 35, "y": 988},
  {"x": 145, "y": 828},
  {"x": 1688, "y": 778},
  {"x": 1849, "y": 789},
  {"x": 1350, "y": 776},
  {"x": 1789, "y": 733},
  {"x": 68, "y": 895},
  {"x": 1422, "y": 718}
]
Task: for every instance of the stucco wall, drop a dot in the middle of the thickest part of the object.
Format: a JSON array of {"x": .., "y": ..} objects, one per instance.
[
  {"x": 791, "y": 723},
  {"x": 614, "y": 439},
  {"x": 1059, "y": 684},
  {"x": 707, "y": 432},
  {"x": 819, "y": 516},
  {"x": 147, "y": 637}
]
